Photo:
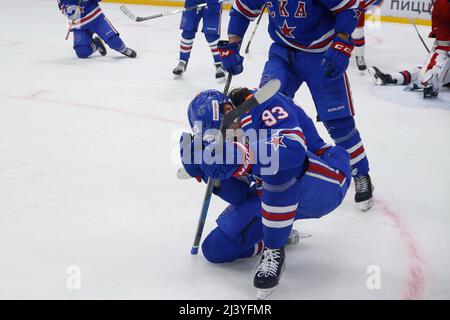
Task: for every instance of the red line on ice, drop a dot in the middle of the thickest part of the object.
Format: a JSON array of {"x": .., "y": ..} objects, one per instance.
[
  {"x": 416, "y": 278},
  {"x": 33, "y": 96}
]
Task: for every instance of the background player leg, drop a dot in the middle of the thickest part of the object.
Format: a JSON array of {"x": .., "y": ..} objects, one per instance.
[
  {"x": 213, "y": 39},
  {"x": 359, "y": 42},
  {"x": 186, "y": 43},
  {"x": 344, "y": 133},
  {"x": 109, "y": 34},
  {"x": 212, "y": 16},
  {"x": 334, "y": 105},
  {"x": 435, "y": 70},
  {"x": 401, "y": 78},
  {"x": 277, "y": 67},
  {"x": 189, "y": 26}
]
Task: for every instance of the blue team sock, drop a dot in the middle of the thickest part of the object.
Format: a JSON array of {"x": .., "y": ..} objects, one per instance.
[
  {"x": 345, "y": 134},
  {"x": 186, "y": 43},
  {"x": 213, "y": 39}
]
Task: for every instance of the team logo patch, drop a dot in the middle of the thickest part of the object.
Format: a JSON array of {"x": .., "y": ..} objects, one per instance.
[
  {"x": 277, "y": 141},
  {"x": 201, "y": 111}
]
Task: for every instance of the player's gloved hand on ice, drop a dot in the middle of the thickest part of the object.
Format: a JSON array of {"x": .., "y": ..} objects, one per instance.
[
  {"x": 215, "y": 163},
  {"x": 232, "y": 61},
  {"x": 190, "y": 151},
  {"x": 336, "y": 58}
]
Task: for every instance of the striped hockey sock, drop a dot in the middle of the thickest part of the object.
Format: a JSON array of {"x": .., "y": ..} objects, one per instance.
[{"x": 185, "y": 48}]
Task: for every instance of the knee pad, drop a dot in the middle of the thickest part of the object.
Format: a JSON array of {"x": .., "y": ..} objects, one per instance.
[
  {"x": 219, "y": 248},
  {"x": 211, "y": 37},
  {"x": 341, "y": 129},
  {"x": 116, "y": 43},
  {"x": 188, "y": 35},
  {"x": 83, "y": 51}
]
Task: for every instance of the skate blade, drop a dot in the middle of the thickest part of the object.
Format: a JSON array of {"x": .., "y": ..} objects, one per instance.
[
  {"x": 292, "y": 241},
  {"x": 262, "y": 294},
  {"x": 177, "y": 76},
  {"x": 366, "y": 205}
]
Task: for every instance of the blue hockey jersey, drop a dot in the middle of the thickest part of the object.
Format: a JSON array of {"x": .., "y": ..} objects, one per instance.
[
  {"x": 88, "y": 12},
  {"x": 308, "y": 175},
  {"x": 290, "y": 137},
  {"x": 308, "y": 25}
]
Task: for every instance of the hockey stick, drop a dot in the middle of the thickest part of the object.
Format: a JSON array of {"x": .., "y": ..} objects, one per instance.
[
  {"x": 262, "y": 95},
  {"x": 136, "y": 18},
  {"x": 418, "y": 33},
  {"x": 209, "y": 186},
  {"x": 69, "y": 30},
  {"x": 247, "y": 49}
]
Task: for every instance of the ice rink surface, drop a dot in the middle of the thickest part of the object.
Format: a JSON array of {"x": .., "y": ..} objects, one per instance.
[{"x": 88, "y": 172}]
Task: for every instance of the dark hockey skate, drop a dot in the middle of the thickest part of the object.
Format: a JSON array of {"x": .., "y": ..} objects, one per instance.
[
  {"x": 429, "y": 93},
  {"x": 361, "y": 63},
  {"x": 268, "y": 272},
  {"x": 220, "y": 72},
  {"x": 129, "y": 53},
  {"x": 364, "y": 192},
  {"x": 100, "y": 46},
  {"x": 179, "y": 69},
  {"x": 379, "y": 77}
]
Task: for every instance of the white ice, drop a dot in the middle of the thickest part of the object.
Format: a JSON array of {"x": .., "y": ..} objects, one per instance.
[{"x": 88, "y": 177}]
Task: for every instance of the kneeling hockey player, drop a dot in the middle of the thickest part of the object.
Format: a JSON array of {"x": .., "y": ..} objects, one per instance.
[
  {"x": 305, "y": 178},
  {"x": 86, "y": 18}
]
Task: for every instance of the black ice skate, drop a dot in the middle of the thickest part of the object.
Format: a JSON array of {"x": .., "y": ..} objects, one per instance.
[
  {"x": 364, "y": 192},
  {"x": 179, "y": 69},
  {"x": 220, "y": 72},
  {"x": 361, "y": 63},
  {"x": 129, "y": 53},
  {"x": 429, "y": 93},
  {"x": 380, "y": 78},
  {"x": 268, "y": 272},
  {"x": 100, "y": 46}
]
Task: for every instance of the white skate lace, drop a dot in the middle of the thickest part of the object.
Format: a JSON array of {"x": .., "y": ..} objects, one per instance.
[
  {"x": 269, "y": 263},
  {"x": 361, "y": 184}
]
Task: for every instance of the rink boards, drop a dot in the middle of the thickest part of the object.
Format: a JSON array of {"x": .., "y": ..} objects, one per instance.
[{"x": 399, "y": 11}]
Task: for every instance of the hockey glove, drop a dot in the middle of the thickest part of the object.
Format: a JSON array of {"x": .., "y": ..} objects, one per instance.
[
  {"x": 215, "y": 163},
  {"x": 232, "y": 61},
  {"x": 190, "y": 151},
  {"x": 336, "y": 58}
]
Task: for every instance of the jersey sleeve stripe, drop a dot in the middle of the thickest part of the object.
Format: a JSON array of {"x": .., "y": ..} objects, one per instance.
[
  {"x": 344, "y": 5},
  {"x": 90, "y": 17},
  {"x": 247, "y": 163},
  {"x": 246, "y": 11},
  {"x": 296, "y": 135}
]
